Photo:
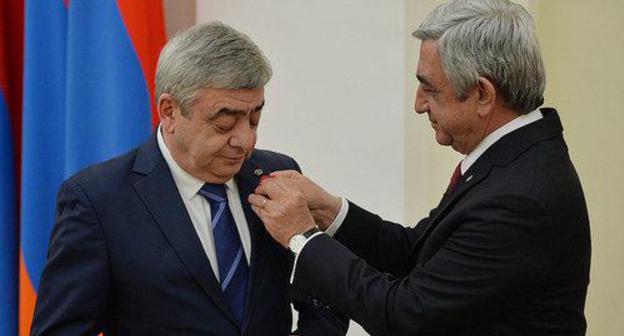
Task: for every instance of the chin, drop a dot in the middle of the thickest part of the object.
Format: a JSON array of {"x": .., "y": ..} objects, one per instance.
[
  {"x": 229, "y": 171},
  {"x": 442, "y": 140},
  {"x": 221, "y": 178}
]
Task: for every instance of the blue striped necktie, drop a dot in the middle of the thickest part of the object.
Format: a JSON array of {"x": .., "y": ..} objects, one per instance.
[{"x": 233, "y": 268}]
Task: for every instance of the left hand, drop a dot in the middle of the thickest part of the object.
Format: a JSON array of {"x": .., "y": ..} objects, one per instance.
[
  {"x": 282, "y": 208},
  {"x": 323, "y": 205}
]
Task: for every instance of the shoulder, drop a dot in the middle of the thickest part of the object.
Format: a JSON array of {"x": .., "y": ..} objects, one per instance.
[
  {"x": 545, "y": 168},
  {"x": 107, "y": 175},
  {"x": 541, "y": 180}
]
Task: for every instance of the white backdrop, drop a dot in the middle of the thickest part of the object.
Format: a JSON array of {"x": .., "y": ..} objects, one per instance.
[{"x": 337, "y": 101}]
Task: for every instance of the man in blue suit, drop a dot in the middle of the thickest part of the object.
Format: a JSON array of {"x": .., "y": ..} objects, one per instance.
[{"x": 161, "y": 240}]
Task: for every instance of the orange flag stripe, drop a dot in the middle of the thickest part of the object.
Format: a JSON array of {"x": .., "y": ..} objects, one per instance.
[{"x": 27, "y": 297}]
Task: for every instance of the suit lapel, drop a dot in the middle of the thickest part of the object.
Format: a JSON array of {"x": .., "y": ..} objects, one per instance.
[
  {"x": 247, "y": 180},
  {"x": 473, "y": 176},
  {"x": 162, "y": 199},
  {"x": 501, "y": 153}
]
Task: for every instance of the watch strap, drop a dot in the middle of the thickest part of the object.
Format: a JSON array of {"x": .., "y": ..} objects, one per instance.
[{"x": 310, "y": 232}]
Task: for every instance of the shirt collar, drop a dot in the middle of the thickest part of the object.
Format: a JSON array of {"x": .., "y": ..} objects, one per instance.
[
  {"x": 187, "y": 184},
  {"x": 493, "y": 137}
]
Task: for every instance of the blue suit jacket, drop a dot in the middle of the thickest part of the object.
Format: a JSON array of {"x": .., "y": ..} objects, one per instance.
[{"x": 125, "y": 259}]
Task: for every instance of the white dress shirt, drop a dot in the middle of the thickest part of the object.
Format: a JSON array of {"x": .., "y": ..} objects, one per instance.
[
  {"x": 198, "y": 207},
  {"x": 491, "y": 138}
]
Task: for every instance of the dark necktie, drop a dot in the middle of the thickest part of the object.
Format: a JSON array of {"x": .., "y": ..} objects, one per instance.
[
  {"x": 454, "y": 179},
  {"x": 233, "y": 268}
]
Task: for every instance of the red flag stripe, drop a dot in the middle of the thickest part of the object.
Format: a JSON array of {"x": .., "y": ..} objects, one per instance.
[
  {"x": 12, "y": 30},
  {"x": 145, "y": 25}
]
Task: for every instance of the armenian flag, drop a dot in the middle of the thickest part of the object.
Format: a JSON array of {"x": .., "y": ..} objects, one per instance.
[{"x": 88, "y": 77}]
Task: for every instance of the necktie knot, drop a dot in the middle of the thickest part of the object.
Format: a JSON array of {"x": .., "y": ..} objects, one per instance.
[{"x": 214, "y": 192}]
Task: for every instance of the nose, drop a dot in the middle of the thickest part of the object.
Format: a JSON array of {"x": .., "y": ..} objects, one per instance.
[
  {"x": 420, "y": 102},
  {"x": 244, "y": 136}
]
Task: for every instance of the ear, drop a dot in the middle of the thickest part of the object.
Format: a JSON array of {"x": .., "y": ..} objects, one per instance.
[
  {"x": 167, "y": 112},
  {"x": 486, "y": 96}
]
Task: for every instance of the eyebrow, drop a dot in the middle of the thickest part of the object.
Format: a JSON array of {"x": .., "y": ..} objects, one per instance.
[
  {"x": 227, "y": 111},
  {"x": 423, "y": 80}
]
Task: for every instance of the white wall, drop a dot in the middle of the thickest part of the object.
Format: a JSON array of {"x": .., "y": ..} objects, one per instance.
[{"x": 337, "y": 99}]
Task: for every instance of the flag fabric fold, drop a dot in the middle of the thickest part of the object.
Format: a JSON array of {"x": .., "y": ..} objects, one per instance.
[
  {"x": 11, "y": 40},
  {"x": 88, "y": 82}
]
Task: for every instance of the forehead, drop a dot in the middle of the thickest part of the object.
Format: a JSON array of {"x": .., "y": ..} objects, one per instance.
[
  {"x": 429, "y": 64},
  {"x": 240, "y": 99}
]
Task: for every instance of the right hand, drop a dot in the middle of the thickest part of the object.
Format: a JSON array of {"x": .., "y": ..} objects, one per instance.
[{"x": 323, "y": 205}]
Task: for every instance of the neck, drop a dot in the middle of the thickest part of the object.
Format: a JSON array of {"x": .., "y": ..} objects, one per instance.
[
  {"x": 500, "y": 117},
  {"x": 496, "y": 119}
]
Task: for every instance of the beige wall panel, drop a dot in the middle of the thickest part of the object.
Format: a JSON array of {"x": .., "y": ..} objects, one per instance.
[{"x": 179, "y": 14}]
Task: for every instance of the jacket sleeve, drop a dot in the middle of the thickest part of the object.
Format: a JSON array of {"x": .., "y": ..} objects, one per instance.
[
  {"x": 384, "y": 245},
  {"x": 314, "y": 318},
  {"x": 75, "y": 283},
  {"x": 317, "y": 320},
  {"x": 495, "y": 258}
]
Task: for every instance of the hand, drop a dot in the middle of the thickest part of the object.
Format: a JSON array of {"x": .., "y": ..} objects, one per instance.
[
  {"x": 323, "y": 205},
  {"x": 282, "y": 208}
]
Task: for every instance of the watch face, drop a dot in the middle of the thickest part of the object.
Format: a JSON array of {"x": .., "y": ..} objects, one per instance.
[{"x": 296, "y": 242}]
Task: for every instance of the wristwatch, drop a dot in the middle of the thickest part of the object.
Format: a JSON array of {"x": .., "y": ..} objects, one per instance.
[{"x": 297, "y": 241}]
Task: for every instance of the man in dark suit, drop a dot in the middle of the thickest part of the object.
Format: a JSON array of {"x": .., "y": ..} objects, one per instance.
[
  {"x": 161, "y": 241},
  {"x": 506, "y": 251}
]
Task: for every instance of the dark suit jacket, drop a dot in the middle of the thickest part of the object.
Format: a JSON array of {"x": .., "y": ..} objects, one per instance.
[
  {"x": 124, "y": 258},
  {"x": 506, "y": 253}
]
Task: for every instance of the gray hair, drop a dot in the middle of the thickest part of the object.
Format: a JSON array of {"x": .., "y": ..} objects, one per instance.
[
  {"x": 490, "y": 38},
  {"x": 209, "y": 55}
]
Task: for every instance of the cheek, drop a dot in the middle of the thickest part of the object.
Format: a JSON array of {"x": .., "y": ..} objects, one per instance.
[
  {"x": 254, "y": 139},
  {"x": 437, "y": 111},
  {"x": 205, "y": 147},
  {"x": 446, "y": 125}
]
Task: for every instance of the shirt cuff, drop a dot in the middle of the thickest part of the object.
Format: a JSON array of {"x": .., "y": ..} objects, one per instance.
[
  {"x": 335, "y": 225},
  {"x": 292, "y": 274},
  {"x": 331, "y": 231}
]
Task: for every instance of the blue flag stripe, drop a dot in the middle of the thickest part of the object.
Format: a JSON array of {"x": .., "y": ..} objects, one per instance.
[
  {"x": 85, "y": 100},
  {"x": 8, "y": 227}
]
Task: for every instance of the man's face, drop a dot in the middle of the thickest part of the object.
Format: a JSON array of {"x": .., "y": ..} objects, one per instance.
[
  {"x": 455, "y": 122},
  {"x": 217, "y": 135}
]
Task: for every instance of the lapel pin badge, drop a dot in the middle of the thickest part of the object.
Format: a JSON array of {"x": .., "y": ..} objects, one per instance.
[
  {"x": 258, "y": 172},
  {"x": 469, "y": 178}
]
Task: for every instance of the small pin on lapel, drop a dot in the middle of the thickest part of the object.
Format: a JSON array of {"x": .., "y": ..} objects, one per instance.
[
  {"x": 469, "y": 178},
  {"x": 258, "y": 172}
]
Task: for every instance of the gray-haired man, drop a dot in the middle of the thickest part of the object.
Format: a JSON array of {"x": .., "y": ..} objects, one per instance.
[
  {"x": 161, "y": 240},
  {"x": 507, "y": 250}
]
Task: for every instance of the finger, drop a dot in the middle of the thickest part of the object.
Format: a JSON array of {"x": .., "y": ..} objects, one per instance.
[
  {"x": 256, "y": 200},
  {"x": 259, "y": 211},
  {"x": 271, "y": 188},
  {"x": 285, "y": 173},
  {"x": 280, "y": 182},
  {"x": 256, "y": 209}
]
